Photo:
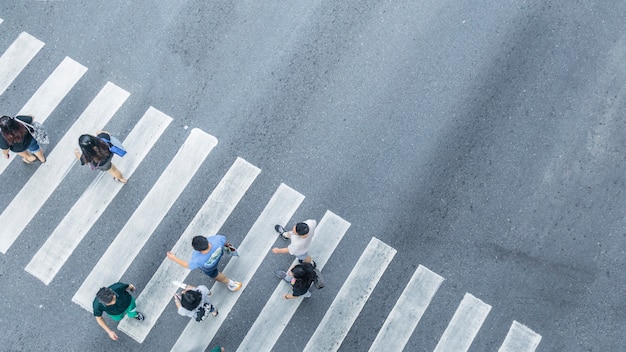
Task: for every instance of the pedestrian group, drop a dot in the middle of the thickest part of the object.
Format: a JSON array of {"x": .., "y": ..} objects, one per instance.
[{"x": 24, "y": 136}]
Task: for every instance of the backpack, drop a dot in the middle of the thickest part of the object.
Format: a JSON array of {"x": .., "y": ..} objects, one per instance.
[
  {"x": 204, "y": 311},
  {"x": 319, "y": 281}
]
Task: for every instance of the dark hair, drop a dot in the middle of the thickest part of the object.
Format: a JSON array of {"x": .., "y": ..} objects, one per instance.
[
  {"x": 200, "y": 243},
  {"x": 94, "y": 149},
  {"x": 105, "y": 295},
  {"x": 12, "y": 131},
  {"x": 304, "y": 270},
  {"x": 302, "y": 228},
  {"x": 304, "y": 274},
  {"x": 190, "y": 299}
]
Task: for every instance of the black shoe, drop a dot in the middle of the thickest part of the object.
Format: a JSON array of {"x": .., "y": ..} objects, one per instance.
[
  {"x": 281, "y": 232},
  {"x": 314, "y": 264},
  {"x": 139, "y": 316}
]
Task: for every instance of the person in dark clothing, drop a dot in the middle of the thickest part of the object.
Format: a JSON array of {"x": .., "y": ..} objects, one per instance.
[
  {"x": 95, "y": 152},
  {"x": 14, "y": 136},
  {"x": 116, "y": 302},
  {"x": 301, "y": 277}
]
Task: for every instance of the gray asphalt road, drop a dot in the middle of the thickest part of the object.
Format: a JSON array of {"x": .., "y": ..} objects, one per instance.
[{"x": 482, "y": 140}]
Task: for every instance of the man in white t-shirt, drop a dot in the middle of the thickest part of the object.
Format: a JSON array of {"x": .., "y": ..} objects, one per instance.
[{"x": 301, "y": 237}]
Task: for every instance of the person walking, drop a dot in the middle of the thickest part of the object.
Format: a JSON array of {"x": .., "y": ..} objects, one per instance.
[
  {"x": 14, "y": 136},
  {"x": 116, "y": 301},
  {"x": 301, "y": 277},
  {"x": 301, "y": 237},
  {"x": 194, "y": 302},
  {"x": 206, "y": 256},
  {"x": 95, "y": 152}
]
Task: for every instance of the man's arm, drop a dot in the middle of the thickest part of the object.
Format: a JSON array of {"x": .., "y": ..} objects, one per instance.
[
  {"x": 171, "y": 256},
  {"x": 277, "y": 250},
  {"x": 106, "y": 328}
]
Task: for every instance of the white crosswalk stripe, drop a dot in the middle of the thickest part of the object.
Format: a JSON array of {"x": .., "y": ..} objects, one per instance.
[
  {"x": 87, "y": 210},
  {"x": 408, "y": 311},
  {"x": 520, "y": 339},
  {"x": 142, "y": 223},
  {"x": 50, "y": 94},
  {"x": 49, "y": 175},
  {"x": 53, "y": 89},
  {"x": 277, "y": 312},
  {"x": 352, "y": 297},
  {"x": 258, "y": 241},
  {"x": 464, "y": 326},
  {"x": 158, "y": 292},
  {"x": 16, "y": 57}
]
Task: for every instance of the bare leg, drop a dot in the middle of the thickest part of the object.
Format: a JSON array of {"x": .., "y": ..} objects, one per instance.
[
  {"x": 222, "y": 278},
  {"x": 117, "y": 174},
  {"x": 27, "y": 156},
  {"x": 40, "y": 156}
]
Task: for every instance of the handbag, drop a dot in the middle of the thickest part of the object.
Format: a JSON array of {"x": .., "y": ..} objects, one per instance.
[
  {"x": 36, "y": 130},
  {"x": 115, "y": 146}
]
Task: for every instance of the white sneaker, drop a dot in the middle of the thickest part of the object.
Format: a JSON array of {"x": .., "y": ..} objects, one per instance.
[{"x": 235, "y": 286}]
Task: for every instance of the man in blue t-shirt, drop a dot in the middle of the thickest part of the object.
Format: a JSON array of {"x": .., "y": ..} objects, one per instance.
[{"x": 206, "y": 255}]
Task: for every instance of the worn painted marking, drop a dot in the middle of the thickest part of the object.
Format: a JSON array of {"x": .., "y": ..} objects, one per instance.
[
  {"x": 520, "y": 339},
  {"x": 464, "y": 326},
  {"x": 16, "y": 58},
  {"x": 408, "y": 311}
]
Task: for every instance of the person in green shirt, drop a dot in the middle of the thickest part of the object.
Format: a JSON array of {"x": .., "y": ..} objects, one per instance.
[{"x": 116, "y": 301}]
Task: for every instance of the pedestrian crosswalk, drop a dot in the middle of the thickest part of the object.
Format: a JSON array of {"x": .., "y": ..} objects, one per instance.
[
  {"x": 16, "y": 57},
  {"x": 277, "y": 312},
  {"x": 266, "y": 329},
  {"x": 143, "y": 222},
  {"x": 347, "y": 305},
  {"x": 408, "y": 311},
  {"x": 87, "y": 210},
  {"x": 51, "y": 92},
  {"x": 59, "y": 161}
]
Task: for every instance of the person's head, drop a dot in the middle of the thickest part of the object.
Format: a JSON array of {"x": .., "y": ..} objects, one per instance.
[
  {"x": 190, "y": 299},
  {"x": 304, "y": 271},
  {"x": 200, "y": 243},
  {"x": 106, "y": 296},
  {"x": 12, "y": 131},
  {"x": 301, "y": 229},
  {"x": 93, "y": 148}
]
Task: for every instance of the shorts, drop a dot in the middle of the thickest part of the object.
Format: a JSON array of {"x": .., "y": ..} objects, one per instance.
[
  {"x": 212, "y": 273},
  {"x": 33, "y": 147},
  {"x": 130, "y": 311},
  {"x": 302, "y": 256},
  {"x": 105, "y": 167}
]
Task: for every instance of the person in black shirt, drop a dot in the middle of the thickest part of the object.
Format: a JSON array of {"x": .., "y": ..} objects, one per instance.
[
  {"x": 116, "y": 302},
  {"x": 14, "y": 136},
  {"x": 301, "y": 277}
]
